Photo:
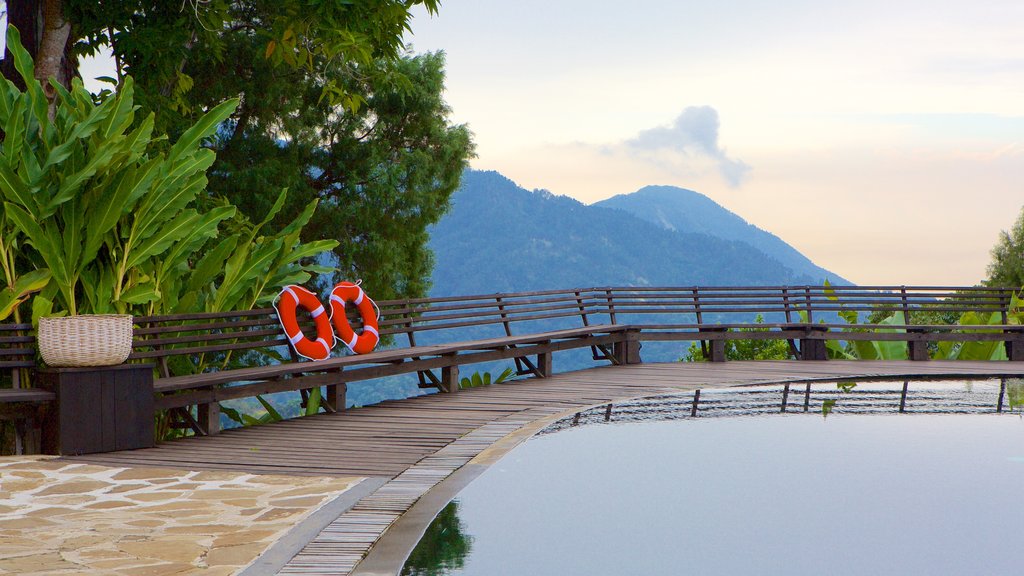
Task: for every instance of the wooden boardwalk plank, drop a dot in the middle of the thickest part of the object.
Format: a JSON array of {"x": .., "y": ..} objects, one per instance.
[
  {"x": 393, "y": 436},
  {"x": 419, "y": 441}
]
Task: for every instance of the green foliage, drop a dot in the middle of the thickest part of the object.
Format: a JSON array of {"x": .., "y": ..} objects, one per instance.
[
  {"x": 1007, "y": 266},
  {"x": 100, "y": 216},
  {"x": 1015, "y": 393},
  {"x": 331, "y": 108},
  {"x": 947, "y": 350},
  {"x": 103, "y": 219},
  {"x": 443, "y": 547},
  {"x": 166, "y": 45},
  {"x": 477, "y": 379},
  {"x": 99, "y": 210},
  {"x": 383, "y": 174},
  {"x": 768, "y": 349},
  {"x": 829, "y": 404}
]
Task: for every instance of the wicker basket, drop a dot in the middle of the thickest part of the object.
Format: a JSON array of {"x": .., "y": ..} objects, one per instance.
[{"x": 88, "y": 340}]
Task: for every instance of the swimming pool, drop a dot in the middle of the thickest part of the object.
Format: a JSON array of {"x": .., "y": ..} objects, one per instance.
[{"x": 880, "y": 478}]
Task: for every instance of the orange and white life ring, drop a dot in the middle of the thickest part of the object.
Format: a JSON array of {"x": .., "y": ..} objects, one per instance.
[
  {"x": 343, "y": 293},
  {"x": 291, "y": 298}
]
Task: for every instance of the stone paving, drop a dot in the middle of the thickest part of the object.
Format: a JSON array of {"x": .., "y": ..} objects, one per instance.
[{"x": 58, "y": 517}]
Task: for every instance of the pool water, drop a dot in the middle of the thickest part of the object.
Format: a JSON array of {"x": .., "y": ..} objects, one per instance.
[{"x": 841, "y": 482}]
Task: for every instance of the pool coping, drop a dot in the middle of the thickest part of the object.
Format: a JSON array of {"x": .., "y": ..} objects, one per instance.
[
  {"x": 388, "y": 555},
  {"x": 275, "y": 557},
  {"x": 391, "y": 551},
  {"x": 426, "y": 487}
]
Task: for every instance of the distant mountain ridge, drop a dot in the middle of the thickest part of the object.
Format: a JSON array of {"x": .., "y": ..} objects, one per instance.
[
  {"x": 684, "y": 210},
  {"x": 499, "y": 237}
]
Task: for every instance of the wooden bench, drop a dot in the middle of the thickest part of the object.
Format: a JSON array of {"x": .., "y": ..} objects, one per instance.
[
  {"x": 207, "y": 358},
  {"x": 19, "y": 404}
]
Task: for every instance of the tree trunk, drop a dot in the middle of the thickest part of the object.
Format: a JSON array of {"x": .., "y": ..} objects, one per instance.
[{"x": 47, "y": 36}]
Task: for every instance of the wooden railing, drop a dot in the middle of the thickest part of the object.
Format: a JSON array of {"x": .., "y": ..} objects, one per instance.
[{"x": 203, "y": 358}]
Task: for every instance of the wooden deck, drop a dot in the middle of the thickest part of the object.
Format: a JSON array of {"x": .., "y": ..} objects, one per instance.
[
  {"x": 409, "y": 447},
  {"x": 388, "y": 438}
]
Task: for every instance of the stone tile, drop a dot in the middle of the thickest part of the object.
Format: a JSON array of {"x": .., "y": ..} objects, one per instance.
[
  {"x": 214, "y": 475},
  {"x": 94, "y": 556},
  {"x": 118, "y": 565},
  {"x": 21, "y": 485},
  {"x": 25, "y": 474},
  {"x": 171, "y": 507},
  {"x": 8, "y": 551},
  {"x": 37, "y": 563},
  {"x": 177, "y": 550},
  {"x": 121, "y": 488},
  {"x": 63, "y": 500},
  {"x": 85, "y": 469},
  {"x": 277, "y": 514},
  {"x": 149, "y": 474},
  {"x": 242, "y": 503},
  {"x": 74, "y": 487},
  {"x": 148, "y": 523},
  {"x": 304, "y": 491},
  {"x": 84, "y": 519},
  {"x": 301, "y": 502},
  {"x": 54, "y": 511},
  {"x": 182, "y": 486},
  {"x": 223, "y": 495},
  {"x": 202, "y": 529},
  {"x": 271, "y": 480},
  {"x": 26, "y": 463},
  {"x": 16, "y": 540},
  {"x": 26, "y": 523},
  {"x": 109, "y": 505},
  {"x": 219, "y": 570},
  {"x": 234, "y": 555},
  {"x": 84, "y": 542},
  {"x": 154, "y": 496},
  {"x": 243, "y": 537}
]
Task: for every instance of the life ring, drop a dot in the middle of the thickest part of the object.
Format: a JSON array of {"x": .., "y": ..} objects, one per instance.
[
  {"x": 343, "y": 293},
  {"x": 288, "y": 301}
]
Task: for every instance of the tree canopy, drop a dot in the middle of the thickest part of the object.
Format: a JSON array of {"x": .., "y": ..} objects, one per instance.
[
  {"x": 331, "y": 107},
  {"x": 1007, "y": 266}
]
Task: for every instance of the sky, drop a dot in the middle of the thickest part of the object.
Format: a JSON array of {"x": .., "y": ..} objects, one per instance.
[{"x": 884, "y": 140}]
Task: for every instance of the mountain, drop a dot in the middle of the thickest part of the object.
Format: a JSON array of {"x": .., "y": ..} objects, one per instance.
[
  {"x": 499, "y": 237},
  {"x": 684, "y": 210}
]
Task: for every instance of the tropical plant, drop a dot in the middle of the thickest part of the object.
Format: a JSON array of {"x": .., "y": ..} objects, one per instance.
[
  {"x": 484, "y": 379},
  {"x": 443, "y": 547},
  {"x": 103, "y": 221},
  {"x": 95, "y": 207},
  {"x": 754, "y": 349},
  {"x": 99, "y": 215},
  {"x": 1007, "y": 266},
  {"x": 331, "y": 107},
  {"x": 945, "y": 350}
]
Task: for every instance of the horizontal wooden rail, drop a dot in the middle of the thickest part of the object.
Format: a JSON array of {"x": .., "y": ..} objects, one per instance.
[{"x": 202, "y": 357}]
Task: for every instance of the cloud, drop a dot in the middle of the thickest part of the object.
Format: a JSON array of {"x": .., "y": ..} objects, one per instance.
[{"x": 694, "y": 133}]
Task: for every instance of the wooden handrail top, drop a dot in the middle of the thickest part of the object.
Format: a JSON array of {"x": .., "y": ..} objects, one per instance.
[
  {"x": 393, "y": 355},
  {"x": 668, "y": 308}
]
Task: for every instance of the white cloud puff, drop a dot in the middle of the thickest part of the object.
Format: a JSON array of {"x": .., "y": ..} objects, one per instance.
[{"x": 694, "y": 132}]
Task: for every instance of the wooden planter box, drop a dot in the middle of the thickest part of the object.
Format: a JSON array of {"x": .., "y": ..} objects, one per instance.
[{"x": 98, "y": 409}]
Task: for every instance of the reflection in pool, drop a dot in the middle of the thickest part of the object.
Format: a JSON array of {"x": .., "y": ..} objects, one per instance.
[{"x": 879, "y": 478}]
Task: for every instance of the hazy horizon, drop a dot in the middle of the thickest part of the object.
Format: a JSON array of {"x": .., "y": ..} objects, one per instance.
[{"x": 882, "y": 140}]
